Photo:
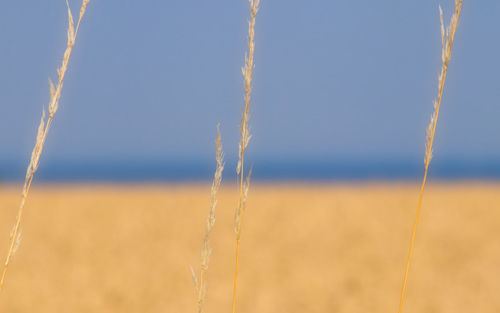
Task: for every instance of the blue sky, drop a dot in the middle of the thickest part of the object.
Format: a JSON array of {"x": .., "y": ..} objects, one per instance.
[{"x": 334, "y": 80}]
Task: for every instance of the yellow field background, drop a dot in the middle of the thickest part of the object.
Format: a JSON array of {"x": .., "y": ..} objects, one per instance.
[{"x": 305, "y": 248}]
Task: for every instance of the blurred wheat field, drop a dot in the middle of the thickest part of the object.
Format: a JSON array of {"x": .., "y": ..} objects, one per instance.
[{"x": 307, "y": 248}]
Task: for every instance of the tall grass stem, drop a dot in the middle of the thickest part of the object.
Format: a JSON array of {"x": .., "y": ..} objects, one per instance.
[
  {"x": 244, "y": 184},
  {"x": 206, "y": 250},
  {"x": 447, "y": 37},
  {"x": 43, "y": 129}
]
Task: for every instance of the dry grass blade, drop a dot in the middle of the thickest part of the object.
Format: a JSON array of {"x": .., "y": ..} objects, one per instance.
[
  {"x": 447, "y": 42},
  {"x": 247, "y": 72},
  {"x": 206, "y": 251},
  {"x": 43, "y": 129}
]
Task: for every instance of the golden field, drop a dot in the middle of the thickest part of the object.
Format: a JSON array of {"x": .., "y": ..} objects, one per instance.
[{"x": 305, "y": 248}]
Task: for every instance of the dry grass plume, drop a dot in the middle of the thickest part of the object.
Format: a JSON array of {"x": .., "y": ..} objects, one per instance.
[
  {"x": 244, "y": 184},
  {"x": 43, "y": 129},
  {"x": 200, "y": 281},
  {"x": 447, "y": 37}
]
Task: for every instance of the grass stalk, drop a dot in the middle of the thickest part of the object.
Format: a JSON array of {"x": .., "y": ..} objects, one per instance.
[
  {"x": 206, "y": 251},
  {"x": 43, "y": 129},
  {"x": 447, "y": 37},
  {"x": 244, "y": 184}
]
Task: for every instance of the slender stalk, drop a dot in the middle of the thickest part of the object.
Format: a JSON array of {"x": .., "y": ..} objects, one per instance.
[
  {"x": 43, "y": 129},
  {"x": 247, "y": 72},
  {"x": 447, "y": 42},
  {"x": 206, "y": 251}
]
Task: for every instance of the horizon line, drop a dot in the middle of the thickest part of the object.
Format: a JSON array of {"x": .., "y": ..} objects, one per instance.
[{"x": 270, "y": 170}]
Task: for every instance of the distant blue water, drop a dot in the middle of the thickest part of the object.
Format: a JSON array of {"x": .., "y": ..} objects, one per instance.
[{"x": 187, "y": 171}]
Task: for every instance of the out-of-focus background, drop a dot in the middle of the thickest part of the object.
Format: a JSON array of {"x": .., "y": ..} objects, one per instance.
[
  {"x": 342, "y": 89},
  {"x": 315, "y": 248},
  {"x": 342, "y": 96}
]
